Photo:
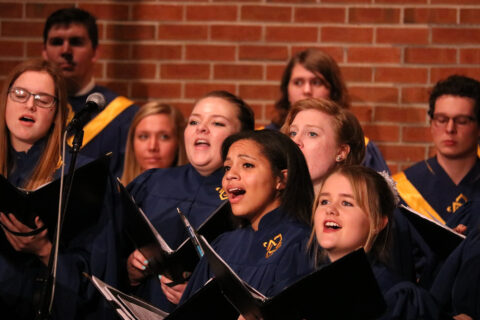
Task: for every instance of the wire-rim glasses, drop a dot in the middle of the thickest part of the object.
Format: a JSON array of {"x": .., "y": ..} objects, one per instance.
[{"x": 41, "y": 100}]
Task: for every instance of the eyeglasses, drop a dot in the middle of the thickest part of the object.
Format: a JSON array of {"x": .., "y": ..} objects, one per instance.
[
  {"x": 441, "y": 120},
  {"x": 41, "y": 100}
]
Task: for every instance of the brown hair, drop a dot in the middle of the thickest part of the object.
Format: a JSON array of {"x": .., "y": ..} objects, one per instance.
[
  {"x": 131, "y": 168},
  {"x": 375, "y": 197},
  {"x": 319, "y": 63},
  {"x": 49, "y": 160},
  {"x": 345, "y": 125}
]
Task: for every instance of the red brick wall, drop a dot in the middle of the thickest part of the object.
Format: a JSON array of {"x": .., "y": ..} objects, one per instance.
[{"x": 390, "y": 51}]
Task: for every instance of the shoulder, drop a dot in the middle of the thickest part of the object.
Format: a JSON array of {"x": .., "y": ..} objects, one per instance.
[
  {"x": 418, "y": 169},
  {"x": 120, "y": 101}
]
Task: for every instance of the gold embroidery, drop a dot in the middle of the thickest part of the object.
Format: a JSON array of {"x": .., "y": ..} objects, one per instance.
[
  {"x": 272, "y": 245},
  {"x": 221, "y": 193},
  {"x": 457, "y": 204}
]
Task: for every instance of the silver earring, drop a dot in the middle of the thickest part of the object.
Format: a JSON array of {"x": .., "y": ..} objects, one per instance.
[{"x": 339, "y": 158}]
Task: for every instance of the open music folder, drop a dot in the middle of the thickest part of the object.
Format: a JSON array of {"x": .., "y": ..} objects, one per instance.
[
  {"x": 441, "y": 238},
  {"x": 127, "y": 307},
  {"x": 173, "y": 263},
  {"x": 344, "y": 289},
  {"x": 85, "y": 203}
]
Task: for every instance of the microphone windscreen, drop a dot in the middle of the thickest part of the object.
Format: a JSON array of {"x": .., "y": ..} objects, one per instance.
[{"x": 98, "y": 99}]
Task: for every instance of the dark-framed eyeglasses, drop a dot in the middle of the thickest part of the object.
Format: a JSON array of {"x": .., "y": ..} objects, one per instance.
[
  {"x": 441, "y": 120},
  {"x": 41, "y": 100}
]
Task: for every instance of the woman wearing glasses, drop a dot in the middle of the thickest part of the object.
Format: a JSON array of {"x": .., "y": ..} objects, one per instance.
[{"x": 32, "y": 121}]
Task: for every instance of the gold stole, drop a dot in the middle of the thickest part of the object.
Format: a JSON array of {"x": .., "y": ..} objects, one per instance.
[
  {"x": 413, "y": 198},
  {"x": 97, "y": 124}
]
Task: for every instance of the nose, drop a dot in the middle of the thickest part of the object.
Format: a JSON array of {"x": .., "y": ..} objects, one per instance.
[
  {"x": 202, "y": 127},
  {"x": 30, "y": 103},
  {"x": 231, "y": 174},
  {"x": 66, "y": 48},
  {"x": 153, "y": 144},
  {"x": 450, "y": 127},
  {"x": 307, "y": 88},
  {"x": 332, "y": 210},
  {"x": 298, "y": 141}
]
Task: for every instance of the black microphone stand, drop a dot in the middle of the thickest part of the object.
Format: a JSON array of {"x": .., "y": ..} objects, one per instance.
[{"x": 48, "y": 288}]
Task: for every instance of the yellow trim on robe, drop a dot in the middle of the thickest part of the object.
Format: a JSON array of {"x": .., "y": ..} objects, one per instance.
[
  {"x": 97, "y": 124},
  {"x": 413, "y": 198}
]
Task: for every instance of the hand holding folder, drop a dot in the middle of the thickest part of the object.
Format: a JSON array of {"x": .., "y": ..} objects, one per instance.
[
  {"x": 162, "y": 259},
  {"x": 440, "y": 238},
  {"x": 86, "y": 200}
]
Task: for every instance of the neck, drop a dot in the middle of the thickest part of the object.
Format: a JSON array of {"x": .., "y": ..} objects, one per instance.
[
  {"x": 79, "y": 87},
  {"x": 457, "y": 168},
  {"x": 20, "y": 146}
]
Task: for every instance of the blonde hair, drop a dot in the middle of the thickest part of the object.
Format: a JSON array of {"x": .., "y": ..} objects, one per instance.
[
  {"x": 374, "y": 196},
  {"x": 346, "y": 126},
  {"x": 131, "y": 167},
  {"x": 50, "y": 158}
]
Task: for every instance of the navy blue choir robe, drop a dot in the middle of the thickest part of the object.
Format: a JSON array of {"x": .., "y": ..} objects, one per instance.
[
  {"x": 457, "y": 285},
  {"x": 427, "y": 189},
  {"x": 159, "y": 192},
  {"x": 374, "y": 158},
  {"x": 21, "y": 273},
  {"x": 269, "y": 259},
  {"x": 108, "y": 129},
  {"x": 404, "y": 299}
]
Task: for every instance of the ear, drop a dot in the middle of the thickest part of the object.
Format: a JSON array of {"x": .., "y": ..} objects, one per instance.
[
  {"x": 383, "y": 224},
  {"x": 342, "y": 152},
  {"x": 282, "y": 181},
  {"x": 44, "y": 53},
  {"x": 96, "y": 53}
]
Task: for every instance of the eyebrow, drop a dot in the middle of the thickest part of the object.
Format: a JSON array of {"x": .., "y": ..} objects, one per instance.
[
  {"x": 213, "y": 115},
  {"x": 346, "y": 195},
  {"x": 308, "y": 126},
  {"x": 242, "y": 155}
]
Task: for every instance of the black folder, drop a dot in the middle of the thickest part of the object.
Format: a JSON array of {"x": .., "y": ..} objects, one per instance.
[
  {"x": 175, "y": 264},
  {"x": 86, "y": 200},
  {"x": 345, "y": 289},
  {"x": 439, "y": 237},
  {"x": 127, "y": 307}
]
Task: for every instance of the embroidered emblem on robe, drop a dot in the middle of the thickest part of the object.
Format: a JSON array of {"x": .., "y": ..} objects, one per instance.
[
  {"x": 221, "y": 193},
  {"x": 272, "y": 245},
  {"x": 457, "y": 203}
]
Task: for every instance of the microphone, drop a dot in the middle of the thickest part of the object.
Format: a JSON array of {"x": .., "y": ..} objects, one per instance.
[{"x": 95, "y": 102}]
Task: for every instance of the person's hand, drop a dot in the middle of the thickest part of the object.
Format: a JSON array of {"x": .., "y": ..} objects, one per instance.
[
  {"x": 173, "y": 293},
  {"x": 137, "y": 268},
  {"x": 38, "y": 244},
  {"x": 462, "y": 316},
  {"x": 461, "y": 229}
]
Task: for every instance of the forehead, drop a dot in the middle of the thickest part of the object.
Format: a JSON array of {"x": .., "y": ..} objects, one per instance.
[
  {"x": 36, "y": 81},
  {"x": 68, "y": 31},
  {"x": 213, "y": 106},
  {"x": 314, "y": 118},
  {"x": 300, "y": 71},
  {"x": 337, "y": 183},
  {"x": 454, "y": 105},
  {"x": 159, "y": 121}
]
